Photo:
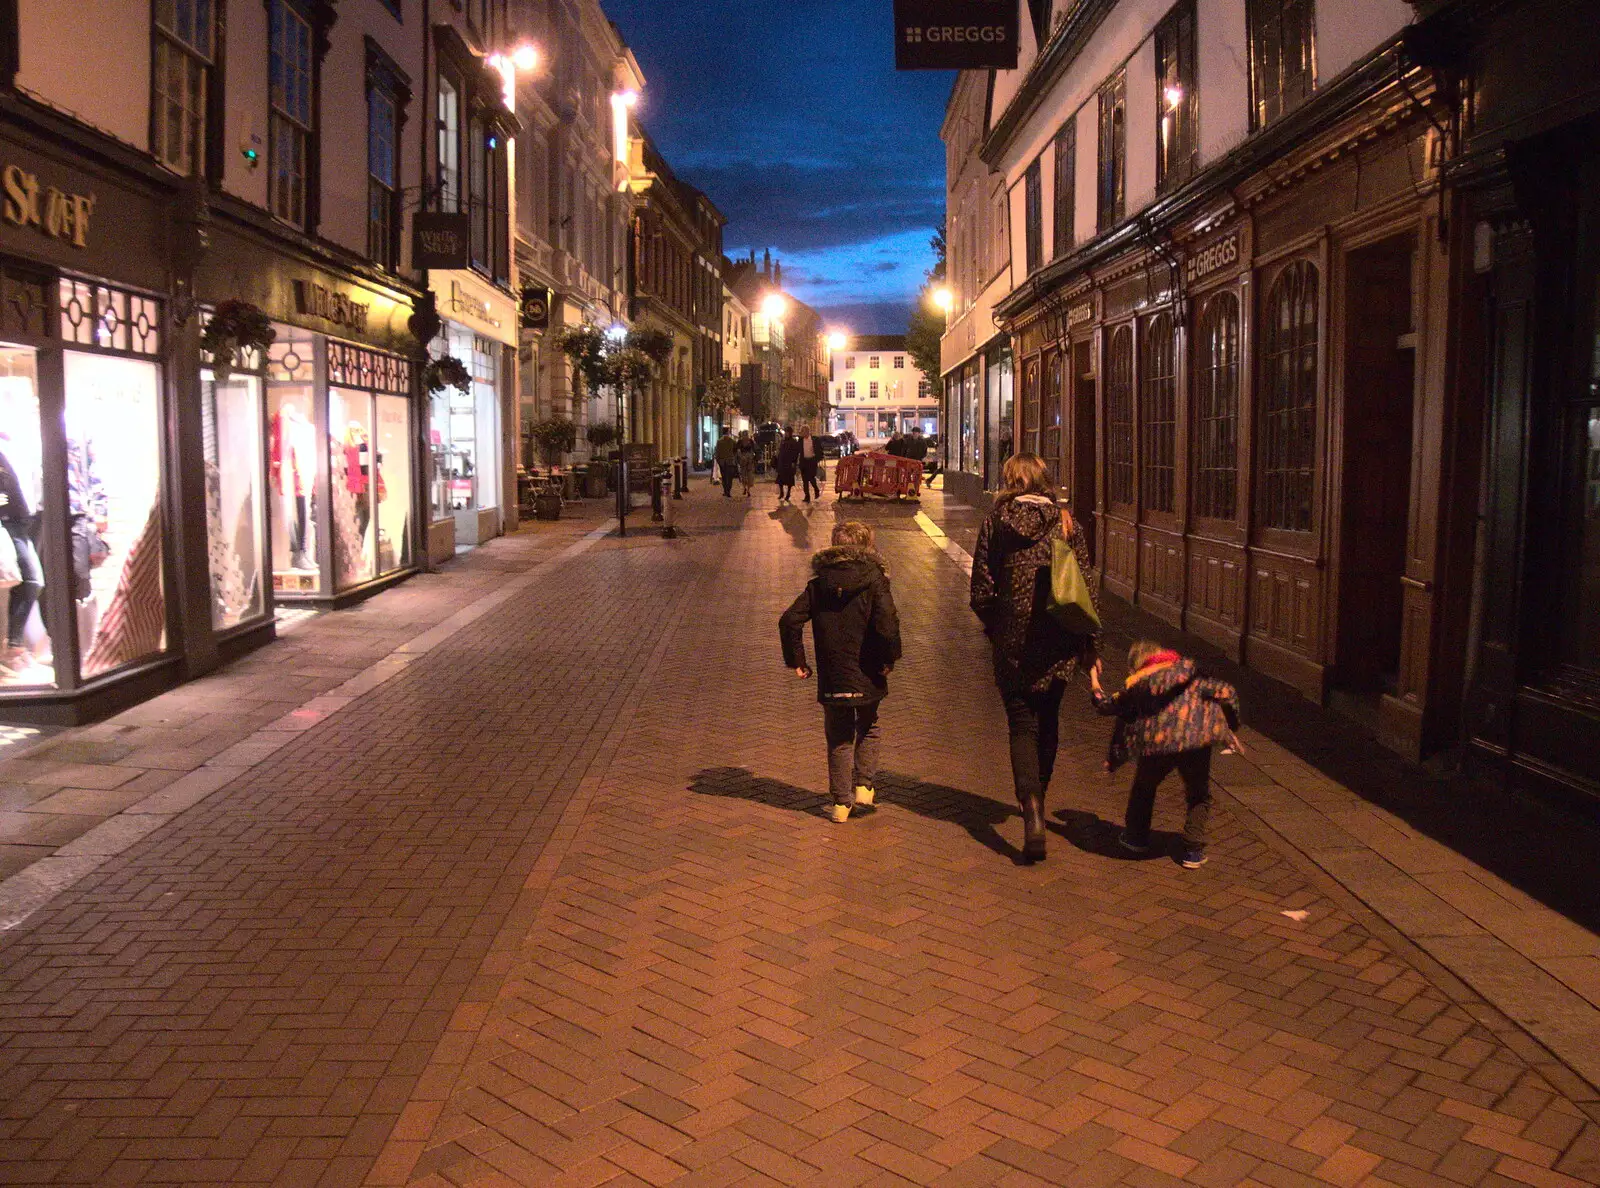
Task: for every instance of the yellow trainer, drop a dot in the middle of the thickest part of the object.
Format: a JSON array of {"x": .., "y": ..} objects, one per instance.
[
  {"x": 839, "y": 814},
  {"x": 864, "y": 795}
]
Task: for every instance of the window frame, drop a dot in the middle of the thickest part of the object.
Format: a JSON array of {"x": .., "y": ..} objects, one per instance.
[
  {"x": 1177, "y": 154},
  {"x": 198, "y": 155},
  {"x": 301, "y": 129},
  {"x": 1261, "y": 15},
  {"x": 386, "y": 81},
  {"x": 1111, "y": 189},
  {"x": 1065, "y": 207},
  {"x": 1121, "y": 490},
  {"x": 1033, "y": 214},
  {"x": 1292, "y": 353},
  {"x": 446, "y": 198},
  {"x": 1158, "y": 459},
  {"x": 1216, "y": 378}
]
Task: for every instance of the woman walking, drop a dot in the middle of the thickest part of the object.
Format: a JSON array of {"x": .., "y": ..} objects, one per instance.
[
  {"x": 747, "y": 462},
  {"x": 1033, "y": 654},
  {"x": 788, "y": 463}
]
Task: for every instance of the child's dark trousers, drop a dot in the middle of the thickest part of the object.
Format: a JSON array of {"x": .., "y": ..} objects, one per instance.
[{"x": 1195, "y": 769}]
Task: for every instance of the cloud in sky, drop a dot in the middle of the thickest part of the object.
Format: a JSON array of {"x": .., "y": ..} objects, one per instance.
[{"x": 792, "y": 118}]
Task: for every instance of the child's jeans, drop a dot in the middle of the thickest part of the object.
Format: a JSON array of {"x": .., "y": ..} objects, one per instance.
[
  {"x": 852, "y": 732},
  {"x": 1195, "y": 769}
]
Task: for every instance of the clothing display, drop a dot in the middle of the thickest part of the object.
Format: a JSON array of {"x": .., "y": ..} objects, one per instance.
[
  {"x": 135, "y": 620},
  {"x": 292, "y": 474}
]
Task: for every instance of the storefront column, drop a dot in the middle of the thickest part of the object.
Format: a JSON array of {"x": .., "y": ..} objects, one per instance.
[
  {"x": 510, "y": 437},
  {"x": 189, "y": 541}
]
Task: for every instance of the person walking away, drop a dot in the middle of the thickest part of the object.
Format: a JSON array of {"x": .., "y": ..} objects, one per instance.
[
  {"x": 788, "y": 463},
  {"x": 856, "y": 630},
  {"x": 810, "y": 459},
  {"x": 1033, "y": 653},
  {"x": 747, "y": 462},
  {"x": 1168, "y": 719},
  {"x": 726, "y": 456}
]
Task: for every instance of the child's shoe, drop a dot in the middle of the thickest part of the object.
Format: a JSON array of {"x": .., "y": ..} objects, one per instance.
[
  {"x": 839, "y": 813},
  {"x": 864, "y": 794},
  {"x": 1133, "y": 847},
  {"x": 1194, "y": 857}
]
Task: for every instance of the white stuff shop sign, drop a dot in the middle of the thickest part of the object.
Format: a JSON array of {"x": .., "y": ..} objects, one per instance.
[{"x": 956, "y": 34}]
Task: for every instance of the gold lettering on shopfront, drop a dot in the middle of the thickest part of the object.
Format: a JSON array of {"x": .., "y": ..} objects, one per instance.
[
  {"x": 318, "y": 301},
  {"x": 57, "y": 213},
  {"x": 1214, "y": 256}
]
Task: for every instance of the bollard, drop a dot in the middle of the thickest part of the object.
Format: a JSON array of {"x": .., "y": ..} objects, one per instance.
[
  {"x": 680, "y": 477},
  {"x": 669, "y": 529},
  {"x": 658, "y": 493}
]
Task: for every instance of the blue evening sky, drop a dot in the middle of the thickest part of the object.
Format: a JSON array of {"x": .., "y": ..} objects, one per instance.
[{"x": 791, "y": 116}]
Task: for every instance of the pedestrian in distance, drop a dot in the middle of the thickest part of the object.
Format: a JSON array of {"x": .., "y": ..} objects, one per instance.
[
  {"x": 747, "y": 462},
  {"x": 810, "y": 459},
  {"x": 856, "y": 631},
  {"x": 1168, "y": 719},
  {"x": 788, "y": 463},
  {"x": 726, "y": 456},
  {"x": 895, "y": 447},
  {"x": 1033, "y": 653}
]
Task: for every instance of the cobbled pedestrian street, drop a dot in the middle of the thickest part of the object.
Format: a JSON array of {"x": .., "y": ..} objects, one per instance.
[{"x": 553, "y": 902}]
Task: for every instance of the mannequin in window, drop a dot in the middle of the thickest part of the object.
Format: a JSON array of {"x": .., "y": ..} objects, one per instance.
[
  {"x": 89, "y": 513},
  {"x": 358, "y": 473},
  {"x": 293, "y": 471},
  {"x": 20, "y": 484}
]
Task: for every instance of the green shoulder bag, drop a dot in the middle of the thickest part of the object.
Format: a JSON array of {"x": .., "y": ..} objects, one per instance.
[{"x": 1070, "y": 603}]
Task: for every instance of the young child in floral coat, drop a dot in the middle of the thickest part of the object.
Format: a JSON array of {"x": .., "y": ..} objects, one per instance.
[{"x": 1168, "y": 718}]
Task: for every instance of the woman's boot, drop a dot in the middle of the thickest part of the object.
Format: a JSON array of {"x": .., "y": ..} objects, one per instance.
[{"x": 1033, "y": 831}]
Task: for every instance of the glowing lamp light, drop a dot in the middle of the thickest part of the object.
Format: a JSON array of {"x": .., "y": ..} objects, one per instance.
[
  {"x": 775, "y": 305},
  {"x": 617, "y": 332},
  {"x": 525, "y": 57},
  {"x": 1173, "y": 95},
  {"x": 945, "y": 299},
  {"x": 621, "y": 103},
  {"x": 837, "y": 341}
]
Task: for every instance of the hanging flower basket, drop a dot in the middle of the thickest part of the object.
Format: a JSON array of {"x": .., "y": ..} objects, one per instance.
[
  {"x": 652, "y": 341},
  {"x": 235, "y": 327},
  {"x": 446, "y": 372}
]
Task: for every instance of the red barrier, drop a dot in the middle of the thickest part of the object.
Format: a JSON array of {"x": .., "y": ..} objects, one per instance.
[{"x": 877, "y": 474}]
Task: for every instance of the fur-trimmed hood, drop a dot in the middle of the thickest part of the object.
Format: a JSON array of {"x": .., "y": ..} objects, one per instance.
[{"x": 847, "y": 569}]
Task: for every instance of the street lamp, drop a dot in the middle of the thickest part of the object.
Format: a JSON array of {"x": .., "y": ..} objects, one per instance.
[
  {"x": 523, "y": 58},
  {"x": 622, "y": 102},
  {"x": 944, "y": 297},
  {"x": 775, "y": 306},
  {"x": 837, "y": 340}
]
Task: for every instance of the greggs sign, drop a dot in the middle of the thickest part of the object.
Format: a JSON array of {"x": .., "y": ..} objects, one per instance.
[{"x": 956, "y": 34}]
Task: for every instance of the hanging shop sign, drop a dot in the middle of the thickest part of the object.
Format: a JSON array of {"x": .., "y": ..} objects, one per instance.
[
  {"x": 1212, "y": 258},
  {"x": 440, "y": 240},
  {"x": 312, "y": 300},
  {"x": 956, "y": 34},
  {"x": 535, "y": 311},
  {"x": 58, "y": 213}
]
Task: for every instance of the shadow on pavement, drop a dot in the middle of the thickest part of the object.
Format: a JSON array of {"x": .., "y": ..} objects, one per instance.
[
  {"x": 978, "y": 815},
  {"x": 1094, "y": 835},
  {"x": 795, "y": 523}
]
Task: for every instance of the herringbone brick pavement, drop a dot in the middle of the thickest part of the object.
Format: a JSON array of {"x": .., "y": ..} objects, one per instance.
[{"x": 557, "y": 906}]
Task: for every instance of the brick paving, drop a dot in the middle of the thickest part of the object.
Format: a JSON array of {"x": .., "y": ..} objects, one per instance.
[{"x": 555, "y": 904}]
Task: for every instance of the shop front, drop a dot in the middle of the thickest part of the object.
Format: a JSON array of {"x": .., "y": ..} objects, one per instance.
[
  {"x": 471, "y": 431},
  {"x": 1247, "y": 414},
  {"x": 87, "y": 573},
  {"x": 310, "y": 447}
]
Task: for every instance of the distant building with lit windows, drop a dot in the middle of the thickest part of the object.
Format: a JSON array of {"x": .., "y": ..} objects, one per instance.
[{"x": 875, "y": 390}]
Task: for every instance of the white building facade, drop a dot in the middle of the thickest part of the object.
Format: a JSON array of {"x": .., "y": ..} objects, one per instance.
[{"x": 875, "y": 390}]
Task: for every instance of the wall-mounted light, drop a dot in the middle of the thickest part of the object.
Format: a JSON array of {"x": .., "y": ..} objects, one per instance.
[
  {"x": 944, "y": 298},
  {"x": 617, "y": 333},
  {"x": 775, "y": 306},
  {"x": 837, "y": 340},
  {"x": 622, "y": 102},
  {"x": 524, "y": 58},
  {"x": 1173, "y": 94}
]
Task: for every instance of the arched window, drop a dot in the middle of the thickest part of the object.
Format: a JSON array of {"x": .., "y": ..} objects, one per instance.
[
  {"x": 1288, "y": 422},
  {"x": 1216, "y": 413},
  {"x": 1030, "y": 405},
  {"x": 1159, "y": 422},
  {"x": 1050, "y": 412},
  {"x": 1119, "y": 415}
]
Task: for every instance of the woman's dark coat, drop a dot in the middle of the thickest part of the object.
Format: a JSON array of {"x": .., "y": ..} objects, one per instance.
[
  {"x": 853, "y": 622},
  {"x": 788, "y": 460},
  {"x": 1167, "y": 708},
  {"x": 1010, "y": 584}
]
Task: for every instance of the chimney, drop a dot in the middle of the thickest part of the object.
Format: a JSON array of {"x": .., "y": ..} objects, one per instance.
[
  {"x": 777, "y": 275},
  {"x": 766, "y": 263}
]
